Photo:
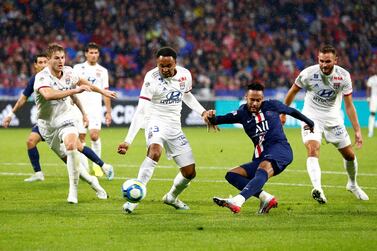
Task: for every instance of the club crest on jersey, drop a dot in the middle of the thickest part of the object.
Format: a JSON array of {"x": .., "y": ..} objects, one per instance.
[
  {"x": 336, "y": 85},
  {"x": 67, "y": 81}
]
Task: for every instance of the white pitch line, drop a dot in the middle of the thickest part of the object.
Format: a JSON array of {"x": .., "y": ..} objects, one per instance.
[
  {"x": 202, "y": 180},
  {"x": 198, "y": 168}
]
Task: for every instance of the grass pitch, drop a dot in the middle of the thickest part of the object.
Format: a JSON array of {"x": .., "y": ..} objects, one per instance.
[{"x": 36, "y": 216}]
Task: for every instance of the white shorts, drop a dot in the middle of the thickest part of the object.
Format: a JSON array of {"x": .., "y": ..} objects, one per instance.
[
  {"x": 95, "y": 121},
  {"x": 173, "y": 140},
  {"x": 373, "y": 104},
  {"x": 55, "y": 136},
  {"x": 336, "y": 135}
]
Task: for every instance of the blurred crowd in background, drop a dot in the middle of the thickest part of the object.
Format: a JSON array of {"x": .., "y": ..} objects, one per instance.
[{"x": 225, "y": 43}]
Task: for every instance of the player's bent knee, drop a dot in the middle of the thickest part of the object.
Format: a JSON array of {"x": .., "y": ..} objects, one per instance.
[
  {"x": 31, "y": 142},
  {"x": 188, "y": 174}
]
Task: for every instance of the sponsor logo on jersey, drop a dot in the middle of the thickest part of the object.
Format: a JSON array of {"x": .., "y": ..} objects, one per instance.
[
  {"x": 338, "y": 78},
  {"x": 315, "y": 76},
  {"x": 326, "y": 93},
  {"x": 172, "y": 97}
]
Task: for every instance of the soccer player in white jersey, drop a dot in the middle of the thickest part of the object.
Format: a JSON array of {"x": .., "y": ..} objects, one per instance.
[
  {"x": 92, "y": 101},
  {"x": 372, "y": 99},
  {"x": 159, "y": 107},
  {"x": 326, "y": 84},
  {"x": 56, "y": 120}
]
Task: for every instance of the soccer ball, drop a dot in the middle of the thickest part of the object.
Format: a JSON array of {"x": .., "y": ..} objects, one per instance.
[{"x": 133, "y": 190}]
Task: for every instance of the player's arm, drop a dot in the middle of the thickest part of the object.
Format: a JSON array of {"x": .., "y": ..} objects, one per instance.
[
  {"x": 230, "y": 118},
  {"x": 78, "y": 103},
  {"x": 20, "y": 102},
  {"x": 136, "y": 123},
  {"x": 190, "y": 100},
  {"x": 108, "y": 118},
  {"x": 297, "y": 115},
  {"x": 292, "y": 92},
  {"x": 51, "y": 94},
  {"x": 83, "y": 82},
  {"x": 351, "y": 113}
]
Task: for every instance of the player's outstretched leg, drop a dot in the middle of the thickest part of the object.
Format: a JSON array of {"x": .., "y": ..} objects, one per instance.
[
  {"x": 106, "y": 168},
  {"x": 352, "y": 186},
  {"x": 229, "y": 203},
  {"x": 179, "y": 185},
  {"x": 73, "y": 161},
  {"x": 266, "y": 205},
  {"x": 93, "y": 182}
]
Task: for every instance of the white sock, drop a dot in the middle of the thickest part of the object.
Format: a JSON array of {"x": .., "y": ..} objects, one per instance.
[
  {"x": 351, "y": 168},
  {"x": 84, "y": 160},
  {"x": 314, "y": 171},
  {"x": 238, "y": 200},
  {"x": 73, "y": 163},
  {"x": 146, "y": 170},
  {"x": 264, "y": 196},
  {"x": 96, "y": 146},
  {"x": 371, "y": 125},
  {"x": 84, "y": 174},
  {"x": 179, "y": 184}
]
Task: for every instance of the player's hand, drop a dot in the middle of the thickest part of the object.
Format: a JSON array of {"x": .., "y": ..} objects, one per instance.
[
  {"x": 283, "y": 118},
  {"x": 358, "y": 139},
  {"x": 110, "y": 94},
  {"x": 85, "y": 120},
  {"x": 6, "y": 121},
  {"x": 123, "y": 148},
  {"x": 83, "y": 88},
  {"x": 307, "y": 127},
  {"x": 108, "y": 118},
  {"x": 206, "y": 116}
]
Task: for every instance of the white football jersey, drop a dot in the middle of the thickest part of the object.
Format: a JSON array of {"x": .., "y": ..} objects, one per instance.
[
  {"x": 98, "y": 76},
  {"x": 324, "y": 93},
  {"x": 57, "y": 111},
  {"x": 372, "y": 83},
  {"x": 166, "y": 94}
]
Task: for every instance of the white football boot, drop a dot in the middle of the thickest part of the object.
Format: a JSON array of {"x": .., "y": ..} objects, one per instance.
[
  {"x": 38, "y": 176},
  {"x": 319, "y": 196},
  {"x": 174, "y": 202},
  {"x": 357, "y": 191},
  {"x": 129, "y": 207},
  {"x": 101, "y": 193},
  {"x": 108, "y": 171}
]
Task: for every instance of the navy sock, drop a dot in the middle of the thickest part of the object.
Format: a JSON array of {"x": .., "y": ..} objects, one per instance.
[
  {"x": 90, "y": 154},
  {"x": 255, "y": 185},
  {"x": 239, "y": 181},
  {"x": 34, "y": 159}
]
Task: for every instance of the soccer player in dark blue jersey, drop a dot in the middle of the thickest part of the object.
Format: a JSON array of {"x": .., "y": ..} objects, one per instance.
[
  {"x": 40, "y": 61},
  {"x": 272, "y": 154}
]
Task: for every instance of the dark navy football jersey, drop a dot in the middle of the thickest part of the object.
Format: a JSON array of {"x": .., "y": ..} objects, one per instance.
[
  {"x": 29, "y": 88},
  {"x": 263, "y": 128}
]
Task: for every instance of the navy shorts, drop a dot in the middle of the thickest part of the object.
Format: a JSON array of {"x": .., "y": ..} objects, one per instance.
[
  {"x": 280, "y": 155},
  {"x": 36, "y": 130}
]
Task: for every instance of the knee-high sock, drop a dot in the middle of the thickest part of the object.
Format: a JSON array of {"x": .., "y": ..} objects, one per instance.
[
  {"x": 255, "y": 185},
  {"x": 179, "y": 184},
  {"x": 90, "y": 154},
  {"x": 97, "y": 146},
  {"x": 84, "y": 160},
  {"x": 73, "y": 164},
  {"x": 34, "y": 158},
  {"x": 371, "y": 124},
  {"x": 314, "y": 171},
  {"x": 351, "y": 168},
  {"x": 239, "y": 181},
  {"x": 146, "y": 170}
]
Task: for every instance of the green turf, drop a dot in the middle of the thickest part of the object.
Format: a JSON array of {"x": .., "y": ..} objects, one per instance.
[{"x": 36, "y": 216}]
